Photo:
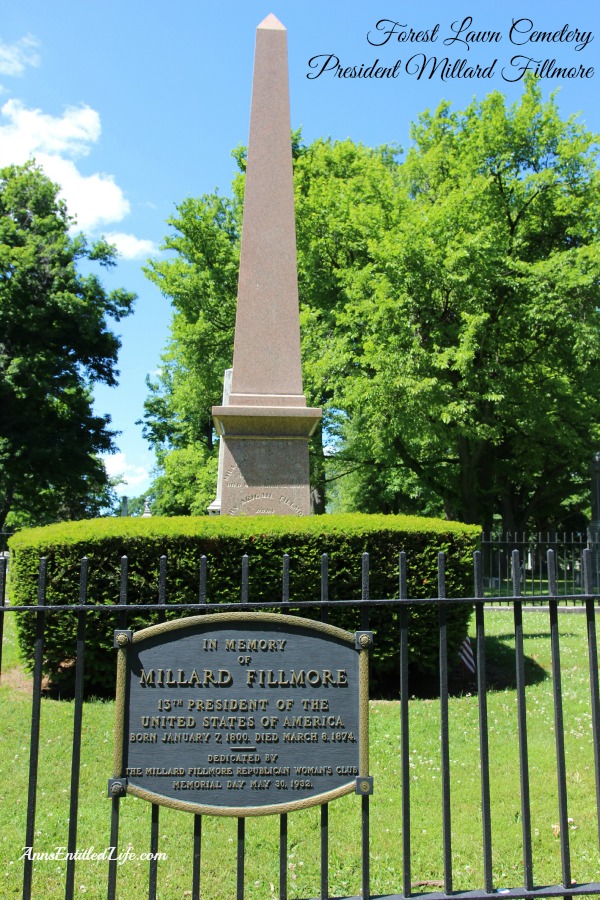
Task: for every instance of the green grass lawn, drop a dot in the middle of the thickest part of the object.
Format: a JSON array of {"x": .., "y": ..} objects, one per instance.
[{"x": 219, "y": 835}]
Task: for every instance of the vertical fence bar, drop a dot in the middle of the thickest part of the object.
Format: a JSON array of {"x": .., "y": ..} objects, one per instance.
[
  {"x": 365, "y": 592},
  {"x": 34, "y": 745},
  {"x": 202, "y": 581},
  {"x": 162, "y": 580},
  {"x": 77, "y": 725},
  {"x": 162, "y": 587},
  {"x": 522, "y": 725},
  {"x": 325, "y": 806},
  {"x": 366, "y": 874},
  {"x": 364, "y": 624},
  {"x": 245, "y": 562},
  {"x": 324, "y": 851},
  {"x": 285, "y": 579},
  {"x": 559, "y": 733},
  {"x": 590, "y": 615},
  {"x": 404, "y": 732},
  {"x": 497, "y": 556},
  {"x": 155, "y": 812},
  {"x": 484, "y": 752},
  {"x": 123, "y": 592},
  {"x": 241, "y": 840},
  {"x": 115, "y": 801},
  {"x": 3, "y": 565},
  {"x": 153, "y": 875},
  {"x": 525, "y": 553},
  {"x": 444, "y": 728},
  {"x": 324, "y": 587},
  {"x": 283, "y": 845},
  {"x": 197, "y": 857}
]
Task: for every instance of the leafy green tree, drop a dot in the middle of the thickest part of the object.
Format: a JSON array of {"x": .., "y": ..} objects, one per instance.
[
  {"x": 201, "y": 281},
  {"x": 54, "y": 344},
  {"x": 471, "y": 339},
  {"x": 346, "y": 198},
  {"x": 449, "y": 313},
  {"x": 186, "y": 484}
]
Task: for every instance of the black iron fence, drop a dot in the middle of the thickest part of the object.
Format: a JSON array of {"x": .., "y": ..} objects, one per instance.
[
  {"x": 4, "y": 538},
  {"x": 568, "y": 548},
  {"x": 403, "y": 754}
]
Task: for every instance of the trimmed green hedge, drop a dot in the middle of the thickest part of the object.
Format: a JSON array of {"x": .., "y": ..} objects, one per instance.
[{"x": 224, "y": 540}]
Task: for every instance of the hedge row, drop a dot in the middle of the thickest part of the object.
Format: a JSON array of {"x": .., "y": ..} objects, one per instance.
[{"x": 224, "y": 541}]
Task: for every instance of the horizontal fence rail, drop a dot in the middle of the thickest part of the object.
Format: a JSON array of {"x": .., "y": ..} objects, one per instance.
[{"x": 364, "y": 854}]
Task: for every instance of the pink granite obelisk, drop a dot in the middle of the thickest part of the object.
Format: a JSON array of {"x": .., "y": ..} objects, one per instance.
[{"x": 266, "y": 424}]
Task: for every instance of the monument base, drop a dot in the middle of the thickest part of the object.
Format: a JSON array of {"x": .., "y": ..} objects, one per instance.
[{"x": 265, "y": 476}]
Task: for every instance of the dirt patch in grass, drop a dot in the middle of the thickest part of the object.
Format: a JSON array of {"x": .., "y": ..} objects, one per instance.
[{"x": 18, "y": 679}]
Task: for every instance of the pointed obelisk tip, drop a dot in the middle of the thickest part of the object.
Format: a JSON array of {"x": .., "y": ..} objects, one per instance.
[{"x": 272, "y": 22}]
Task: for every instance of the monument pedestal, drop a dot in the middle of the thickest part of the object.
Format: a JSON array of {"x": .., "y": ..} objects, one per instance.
[{"x": 265, "y": 459}]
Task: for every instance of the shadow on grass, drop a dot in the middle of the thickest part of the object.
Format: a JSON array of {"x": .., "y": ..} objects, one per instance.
[
  {"x": 501, "y": 674},
  {"x": 501, "y": 668}
]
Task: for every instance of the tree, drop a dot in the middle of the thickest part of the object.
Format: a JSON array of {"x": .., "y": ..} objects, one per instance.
[
  {"x": 449, "y": 312},
  {"x": 201, "y": 282},
  {"x": 54, "y": 344},
  {"x": 346, "y": 199},
  {"x": 471, "y": 339}
]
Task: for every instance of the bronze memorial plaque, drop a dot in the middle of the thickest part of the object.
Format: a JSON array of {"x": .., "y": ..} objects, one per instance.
[{"x": 241, "y": 713}]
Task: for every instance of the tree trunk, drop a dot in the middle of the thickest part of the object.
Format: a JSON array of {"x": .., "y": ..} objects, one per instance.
[
  {"x": 5, "y": 505},
  {"x": 317, "y": 473}
]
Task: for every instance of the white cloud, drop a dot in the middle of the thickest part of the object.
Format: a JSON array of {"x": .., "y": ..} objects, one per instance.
[
  {"x": 57, "y": 143},
  {"x": 30, "y": 131},
  {"x": 133, "y": 476},
  {"x": 95, "y": 200},
  {"x": 15, "y": 57},
  {"x": 131, "y": 247}
]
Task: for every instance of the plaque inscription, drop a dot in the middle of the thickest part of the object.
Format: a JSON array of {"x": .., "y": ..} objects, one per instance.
[{"x": 241, "y": 713}]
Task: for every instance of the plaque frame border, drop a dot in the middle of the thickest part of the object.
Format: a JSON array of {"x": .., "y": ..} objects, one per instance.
[{"x": 120, "y": 752}]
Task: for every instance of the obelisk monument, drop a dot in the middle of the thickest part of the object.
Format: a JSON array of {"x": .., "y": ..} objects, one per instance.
[{"x": 266, "y": 424}]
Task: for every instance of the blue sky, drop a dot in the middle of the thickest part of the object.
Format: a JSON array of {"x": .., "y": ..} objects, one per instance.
[{"x": 133, "y": 106}]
